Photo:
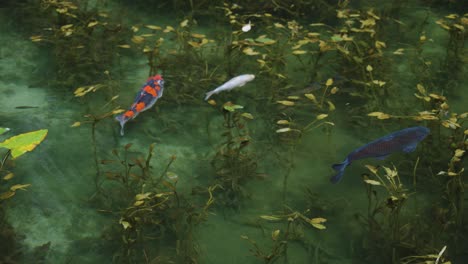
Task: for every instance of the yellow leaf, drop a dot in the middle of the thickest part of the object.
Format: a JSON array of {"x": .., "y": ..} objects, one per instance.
[
  {"x": 399, "y": 51},
  {"x": 283, "y": 130},
  {"x": 275, "y": 234},
  {"x": 321, "y": 116},
  {"x": 285, "y": 102},
  {"x": 6, "y": 195},
  {"x": 459, "y": 153},
  {"x": 331, "y": 106},
  {"x": 142, "y": 196},
  {"x": 19, "y": 187},
  {"x": 196, "y": 35},
  {"x": 299, "y": 52},
  {"x": 153, "y": 27},
  {"x": 317, "y": 223},
  {"x": 93, "y": 23},
  {"x": 372, "y": 169},
  {"x": 334, "y": 90},
  {"x": 124, "y": 46},
  {"x": 380, "y": 44},
  {"x": 293, "y": 97},
  {"x": 168, "y": 29},
  {"x": 138, "y": 39},
  {"x": 23, "y": 143},
  {"x": 138, "y": 203},
  {"x": 420, "y": 88},
  {"x": 270, "y": 218},
  {"x": 372, "y": 182},
  {"x": 375, "y": 114},
  {"x": 369, "y": 68},
  {"x": 282, "y": 122},
  {"x": 212, "y": 102},
  {"x": 329, "y": 82},
  {"x": 8, "y": 176},
  {"x": 76, "y": 124},
  {"x": 184, "y": 23},
  {"x": 311, "y": 97},
  {"x": 249, "y": 51},
  {"x": 278, "y": 25},
  {"x": 124, "y": 223}
]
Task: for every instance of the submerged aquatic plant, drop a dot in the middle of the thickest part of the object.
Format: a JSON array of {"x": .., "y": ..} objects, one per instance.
[
  {"x": 151, "y": 211},
  {"x": 292, "y": 233},
  {"x": 234, "y": 165}
]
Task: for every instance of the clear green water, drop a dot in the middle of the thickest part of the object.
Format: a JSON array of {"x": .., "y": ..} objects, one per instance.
[{"x": 61, "y": 211}]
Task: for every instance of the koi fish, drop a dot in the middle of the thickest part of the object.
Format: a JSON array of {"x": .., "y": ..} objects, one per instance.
[
  {"x": 149, "y": 93},
  {"x": 404, "y": 140},
  {"x": 238, "y": 81}
]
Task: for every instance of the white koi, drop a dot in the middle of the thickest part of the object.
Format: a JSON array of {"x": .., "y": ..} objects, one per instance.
[{"x": 237, "y": 81}]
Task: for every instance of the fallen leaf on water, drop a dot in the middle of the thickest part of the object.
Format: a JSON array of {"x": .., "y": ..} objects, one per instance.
[
  {"x": 285, "y": 102},
  {"x": 23, "y": 143},
  {"x": 19, "y": 187}
]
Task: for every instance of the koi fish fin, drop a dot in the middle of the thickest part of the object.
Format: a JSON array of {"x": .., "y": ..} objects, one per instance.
[
  {"x": 410, "y": 148},
  {"x": 122, "y": 122},
  {"x": 340, "y": 167},
  {"x": 209, "y": 94}
]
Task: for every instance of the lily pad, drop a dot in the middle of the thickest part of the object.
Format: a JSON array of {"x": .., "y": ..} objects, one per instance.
[
  {"x": 3, "y": 130},
  {"x": 23, "y": 143}
]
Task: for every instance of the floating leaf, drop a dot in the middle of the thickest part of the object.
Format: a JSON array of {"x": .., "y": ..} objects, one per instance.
[
  {"x": 278, "y": 25},
  {"x": 124, "y": 46},
  {"x": 3, "y": 130},
  {"x": 286, "y": 102},
  {"x": 334, "y": 90},
  {"x": 212, "y": 102},
  {"x": 19, "y": 187},
  {"x": 329, "y": 82},
  {"x": 23, "y": 143},
  {"x": 196, "y": 35},
  {"x": 369, "y": 68},
  {"x": 293, "y": 97},
  {"x": 459, "y": 153}
]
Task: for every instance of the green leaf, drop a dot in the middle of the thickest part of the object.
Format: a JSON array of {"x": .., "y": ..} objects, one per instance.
[
  {"x": 266, "y": 41},
  {"x": 3, "y": 130},
  {"x": 23, "y": 143}
]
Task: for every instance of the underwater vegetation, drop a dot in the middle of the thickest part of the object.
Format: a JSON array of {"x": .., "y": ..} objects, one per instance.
[{"x": 321, "y": 79}]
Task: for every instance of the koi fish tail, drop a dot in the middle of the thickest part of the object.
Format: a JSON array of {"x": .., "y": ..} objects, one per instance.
[
  {"x": 209, "y": 94},
  {"x": 122, "y": 122},
  {"x": 340, "y": 167}
]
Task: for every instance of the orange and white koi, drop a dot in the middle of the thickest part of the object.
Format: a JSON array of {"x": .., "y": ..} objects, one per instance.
[{"x": 149, "y": 93}]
